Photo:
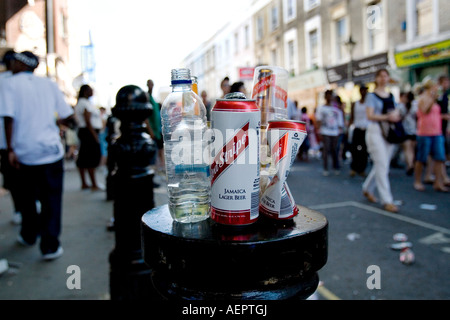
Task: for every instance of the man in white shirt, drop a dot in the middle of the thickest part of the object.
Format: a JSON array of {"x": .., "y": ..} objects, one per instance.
[
  {"x": 33, "y": 107},
  {"x": 331, "y": 122},
  {"x": 9, "y": 172}
]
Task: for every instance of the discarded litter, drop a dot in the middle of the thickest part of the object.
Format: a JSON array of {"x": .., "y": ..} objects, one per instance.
[
  {"x": 407, "y": 256},
  {"x": 427, "y": 206},
  {"x": 353, "y": 236},
  {"x": 401, "y": 245},
  {"x": 400, "y": 237},
  {"x": 3, "y": 266}
]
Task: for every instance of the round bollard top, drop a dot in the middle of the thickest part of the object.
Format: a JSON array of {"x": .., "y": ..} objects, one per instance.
[{"x": 132, "y": 104}]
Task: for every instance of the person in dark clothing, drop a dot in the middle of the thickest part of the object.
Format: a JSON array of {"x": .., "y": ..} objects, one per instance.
[{"x": 358, "y": 147}]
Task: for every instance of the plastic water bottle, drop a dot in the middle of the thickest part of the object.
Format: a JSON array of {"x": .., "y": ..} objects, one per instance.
[{"x": 183, "y": 117}]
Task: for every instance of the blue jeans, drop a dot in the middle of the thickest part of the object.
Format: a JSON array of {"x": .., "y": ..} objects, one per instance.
[
  {"x": 430, "y": 145},
  {"x": 45, "y": 184}
]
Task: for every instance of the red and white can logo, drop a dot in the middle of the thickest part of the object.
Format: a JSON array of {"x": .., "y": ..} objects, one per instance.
[
  {"x": 235, "y": 166},
  {"x": 285, "y": 138}
]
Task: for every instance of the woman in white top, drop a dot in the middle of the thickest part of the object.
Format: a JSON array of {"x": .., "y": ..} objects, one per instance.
[
  {"x": 89, "y": 124},
  {"x": 379, "y": 149}
]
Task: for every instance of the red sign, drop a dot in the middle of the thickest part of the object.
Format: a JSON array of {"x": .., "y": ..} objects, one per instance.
[{"x": 246, "y": 73}]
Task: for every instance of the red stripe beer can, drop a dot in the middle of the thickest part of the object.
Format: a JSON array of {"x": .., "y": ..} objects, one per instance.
[
  {"x": 285, "y": 138},
  {"x": 236, "y": 122}
]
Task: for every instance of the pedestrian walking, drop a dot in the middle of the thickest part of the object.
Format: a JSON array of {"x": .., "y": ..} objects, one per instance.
[
  {"x": 342, "y": 144},
  {"x": 306, "y": 145},
  {"x": 208, "y": 105},
  {"x": 225, "y": 87},
  {"x": 330, "y": 121},
  {"x": 443, "y": 101},
  {"x": 89, "y": 123},
  {"x": 155, "y": 125},
  {"x": 408, "y": 110},
  {"x": 430, "y": 140},
  {"x": 358, "y": 123},
  {"x": 293, "y": 112},
  {"x": 380, "y": 150},
  {"x": 238, "y": 86},
  {"x": 29, "y": 105},
  {"x": 10, "y": 174}
]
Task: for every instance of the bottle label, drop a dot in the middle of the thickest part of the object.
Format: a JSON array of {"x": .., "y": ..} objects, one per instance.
[{"x": 268, "y": 83}]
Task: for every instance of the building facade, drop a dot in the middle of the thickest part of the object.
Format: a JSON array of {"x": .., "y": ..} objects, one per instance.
[
  {"x": 334, "y": 44},
  {"x": 39, "y": 26},
  {"x": 426, "y": 50}
]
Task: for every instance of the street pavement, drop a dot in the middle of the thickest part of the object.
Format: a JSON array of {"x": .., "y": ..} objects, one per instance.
[
  {"x": 360, "y": 235},
  {"x": 84, "y": 238}
]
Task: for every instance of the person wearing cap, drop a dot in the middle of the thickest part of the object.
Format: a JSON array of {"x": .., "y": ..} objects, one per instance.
[
  {"x": 9, "y": 173},
  {"x": 33, "y": 107}
]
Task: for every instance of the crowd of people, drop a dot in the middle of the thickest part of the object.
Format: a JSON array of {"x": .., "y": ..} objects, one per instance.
[
  {"x": 419, "y": 119},
  {"x": 33, "y": 145}
]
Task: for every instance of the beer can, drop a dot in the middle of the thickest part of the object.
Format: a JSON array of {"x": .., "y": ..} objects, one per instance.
[
  {"x": 235, "y": 165},
  {"x": 285, "y": 138}
]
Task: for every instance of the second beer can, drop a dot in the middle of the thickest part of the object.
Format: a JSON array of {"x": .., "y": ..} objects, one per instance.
[
  {"x": 235, "y": 166},
  {"x": 285, "y": 138}
]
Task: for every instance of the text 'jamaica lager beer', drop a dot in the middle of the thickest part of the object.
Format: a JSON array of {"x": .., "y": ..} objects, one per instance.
[{"x": 236, "y": 123}]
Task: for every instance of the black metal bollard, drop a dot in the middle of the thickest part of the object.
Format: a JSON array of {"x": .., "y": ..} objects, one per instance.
[
  {"x": 205, "y": 261},
  {"x": 131, "y": 154},
  {"x": 111, "y": 138}
]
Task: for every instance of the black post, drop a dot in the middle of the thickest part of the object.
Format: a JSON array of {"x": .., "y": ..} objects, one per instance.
[
  {"x": 132, "y": 153},
  {"x": 111, "y": 138}
]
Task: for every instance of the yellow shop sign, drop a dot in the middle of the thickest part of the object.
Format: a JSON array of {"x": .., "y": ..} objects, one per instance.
[{"x": 432, "y": 52}]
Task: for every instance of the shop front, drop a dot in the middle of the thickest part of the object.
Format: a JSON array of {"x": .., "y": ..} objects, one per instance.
[
  {"x": 307, "y": 88},
  {"x": 362, "y": 72},
  {"x": 425, "y": 60}
]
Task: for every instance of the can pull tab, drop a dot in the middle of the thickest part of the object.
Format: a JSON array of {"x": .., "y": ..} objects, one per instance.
[{"x": 235, "y": 96}]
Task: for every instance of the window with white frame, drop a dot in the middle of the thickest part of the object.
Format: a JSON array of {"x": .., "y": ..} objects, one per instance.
[
  {"x": 290, "y": 51},
  {"x": 422, "y": 18},
  {"x": 313, "y": 42},
  {"x": 274, "y": 56},
  {"x": 236, "y": 43},
  {"x": 275, "y": 21},
  {"x": 308, "y": 5},
  {"x": 246, "y": 37},
  {"x": 259, "y": 27},
  {"x": 341, "y": 35},
  {"x": 289, "y": 10},
  {"x": 424, "y": 12},
  {"x": 313, "y": 47},
  {"x": 375, "y": 27},
  {"x": 227, "y": 49}
]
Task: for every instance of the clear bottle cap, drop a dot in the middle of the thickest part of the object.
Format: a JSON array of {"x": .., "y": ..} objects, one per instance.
[{"x": 181, "y": 76}]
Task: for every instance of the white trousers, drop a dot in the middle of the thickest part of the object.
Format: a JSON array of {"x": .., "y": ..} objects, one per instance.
[{"x": 381, "y": 153}]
